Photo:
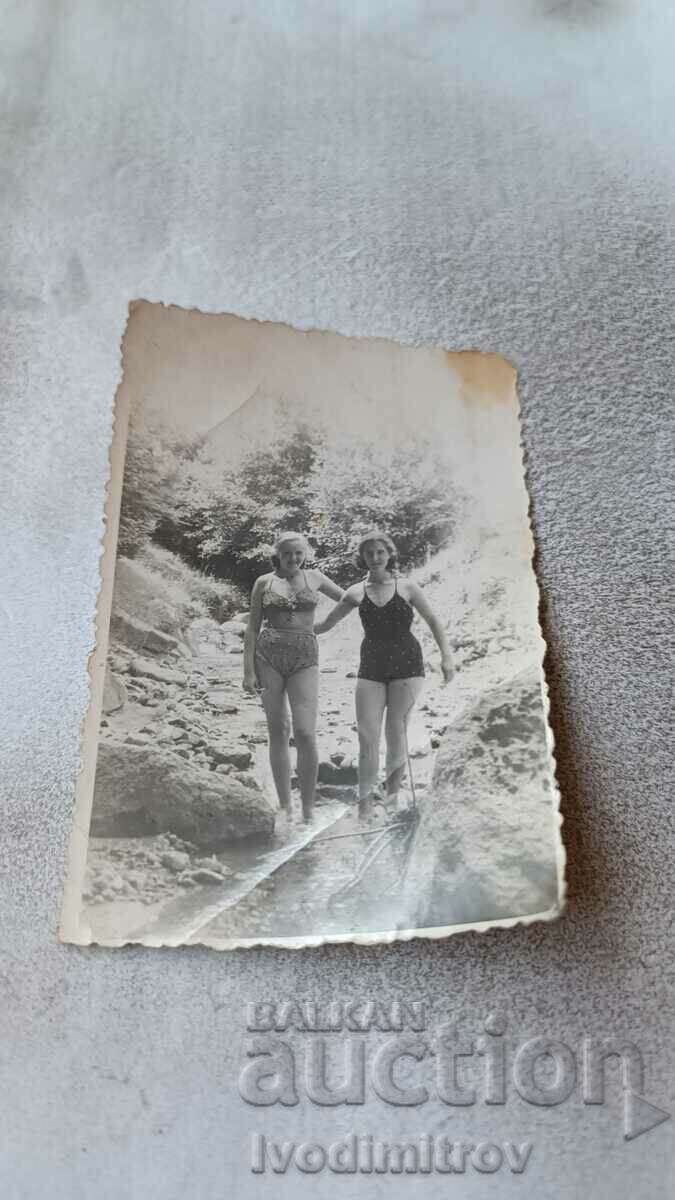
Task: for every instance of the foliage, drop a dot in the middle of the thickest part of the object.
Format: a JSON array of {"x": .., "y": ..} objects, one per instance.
[
  {"x": 404, "y": 491},
  {"x": 152, "y": 467},
  {"x": 224, "y": 522}
]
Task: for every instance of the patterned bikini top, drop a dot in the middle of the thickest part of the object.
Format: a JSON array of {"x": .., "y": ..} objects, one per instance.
[{"x": 303, "y": 600}]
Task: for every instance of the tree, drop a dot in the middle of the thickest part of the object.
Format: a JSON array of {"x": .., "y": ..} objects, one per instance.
[
  {"x": 405, "y": 491},
  {"x": 157, "y": 464},
  {"x": 226, "y": 522}
]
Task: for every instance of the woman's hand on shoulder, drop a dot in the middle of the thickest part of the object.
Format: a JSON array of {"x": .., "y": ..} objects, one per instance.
[
  {"x": 323, "y": 584},
  {"x": 344, "y": 606}
]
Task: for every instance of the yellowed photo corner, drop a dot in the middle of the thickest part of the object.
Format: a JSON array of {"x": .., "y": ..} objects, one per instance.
[{"x": 258, "y": 458}]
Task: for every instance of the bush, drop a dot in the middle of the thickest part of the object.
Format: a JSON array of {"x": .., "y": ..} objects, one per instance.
[
  {"x": 159, "y": 589},
  {"x": 333, "y": 492},
  {"x": 405, "y": 492},
  {"x": 209, "y": 596}
]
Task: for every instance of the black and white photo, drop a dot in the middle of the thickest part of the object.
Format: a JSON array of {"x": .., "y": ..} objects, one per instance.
[{"x": 318, "y": 710}]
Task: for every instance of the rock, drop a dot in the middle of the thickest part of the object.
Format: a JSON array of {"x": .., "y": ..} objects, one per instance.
[
  {"x": 144, "y": 789},
  {"x": 140, "y": 636},
  {"x": 248, "y": 780},
  {"x": 169, "y": 736},
  {"x": 115, "y": 694},
  {"x": 241, "y": 759},
  {"x": 133, "y": 740},
  {"x": 222, "y": 703},
  {"x": 419, "y": 743},
  {"x": 212, "y": 864},
  {"x": 175, "y": 860},
  {"x": 487, "y": 840},
  {"x": 147, "y": 669},
  {"x": 223, "y": 769},
  {"x": 345, "y": 773},
  {"x": 203, "y": 875},
  {"x": 335, "y": 791}
]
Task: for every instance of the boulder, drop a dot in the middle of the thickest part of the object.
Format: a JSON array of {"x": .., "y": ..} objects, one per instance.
[
  {"x": 138, "y": 635},
  {"x": 241, "y": 759},
  {"x": 175, "y": 860},
  {"x": 204, "y": 875},
  {"x": 486, "y": 846},
  {"x": 145, "y": 668},
  {"x": 114, "y": 693},
  {"x": 342, "y": 773},
  {"x": 140, "y": 790}
]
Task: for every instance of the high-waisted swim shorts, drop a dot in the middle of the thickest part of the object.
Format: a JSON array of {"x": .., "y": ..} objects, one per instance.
[{"x": 287, "y": 650}]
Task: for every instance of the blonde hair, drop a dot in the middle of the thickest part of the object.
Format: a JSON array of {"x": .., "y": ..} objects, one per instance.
[{"x": 289, "y": 535}]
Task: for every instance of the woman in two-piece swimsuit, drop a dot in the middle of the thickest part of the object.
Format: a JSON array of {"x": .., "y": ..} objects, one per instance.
[
  {"x": 281, "y": 661},
  {"x": 391, "y": 670}
]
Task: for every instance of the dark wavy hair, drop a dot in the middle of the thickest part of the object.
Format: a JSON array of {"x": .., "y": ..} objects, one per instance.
[{"x": 376, "y": 535}]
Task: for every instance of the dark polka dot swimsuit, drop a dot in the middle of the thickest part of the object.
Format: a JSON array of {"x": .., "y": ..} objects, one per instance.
[{"x": 389, "y": 650}]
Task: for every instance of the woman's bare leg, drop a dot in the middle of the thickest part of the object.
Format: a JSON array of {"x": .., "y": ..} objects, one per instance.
[
  {"x": 273, "y": 695},
  {"x": 303, "y": 695},
  {"x": 370, "y": 701},
  {"x": 402, "y": 695}
]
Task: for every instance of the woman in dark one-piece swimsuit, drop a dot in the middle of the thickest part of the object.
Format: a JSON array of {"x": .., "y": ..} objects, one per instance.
[
  {"x": 281, "y": 661},
  {"x": 391, "y": 670}
]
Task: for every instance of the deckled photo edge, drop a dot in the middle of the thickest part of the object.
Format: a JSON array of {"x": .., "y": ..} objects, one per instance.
[{"x": 72, "y": 929}]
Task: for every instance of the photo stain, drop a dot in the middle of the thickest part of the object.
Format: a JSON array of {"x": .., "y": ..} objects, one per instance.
[{"x": 487, "y": 379}]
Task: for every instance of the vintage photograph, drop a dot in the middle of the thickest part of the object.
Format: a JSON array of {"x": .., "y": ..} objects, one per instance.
[{"x": 318, "y": 710}]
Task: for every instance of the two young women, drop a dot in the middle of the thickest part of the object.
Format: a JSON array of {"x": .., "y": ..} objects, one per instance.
[{"x": 281, "y": 661}]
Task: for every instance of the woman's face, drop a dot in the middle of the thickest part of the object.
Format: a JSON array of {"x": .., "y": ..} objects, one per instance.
[
  {"x": 291, "y": 556},
  {"x": 376, "y": 555}
]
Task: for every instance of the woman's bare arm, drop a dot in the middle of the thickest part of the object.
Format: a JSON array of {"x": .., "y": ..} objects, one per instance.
[
  {"x": 328, "y": 588},
  {"x": 421, "y": 604},
  {"x": 252, "y": 631},
  {"x": 342, "y": 609}
]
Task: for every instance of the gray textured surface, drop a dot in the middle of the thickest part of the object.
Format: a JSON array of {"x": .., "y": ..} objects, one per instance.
[{"x": 476, "y": 175}]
